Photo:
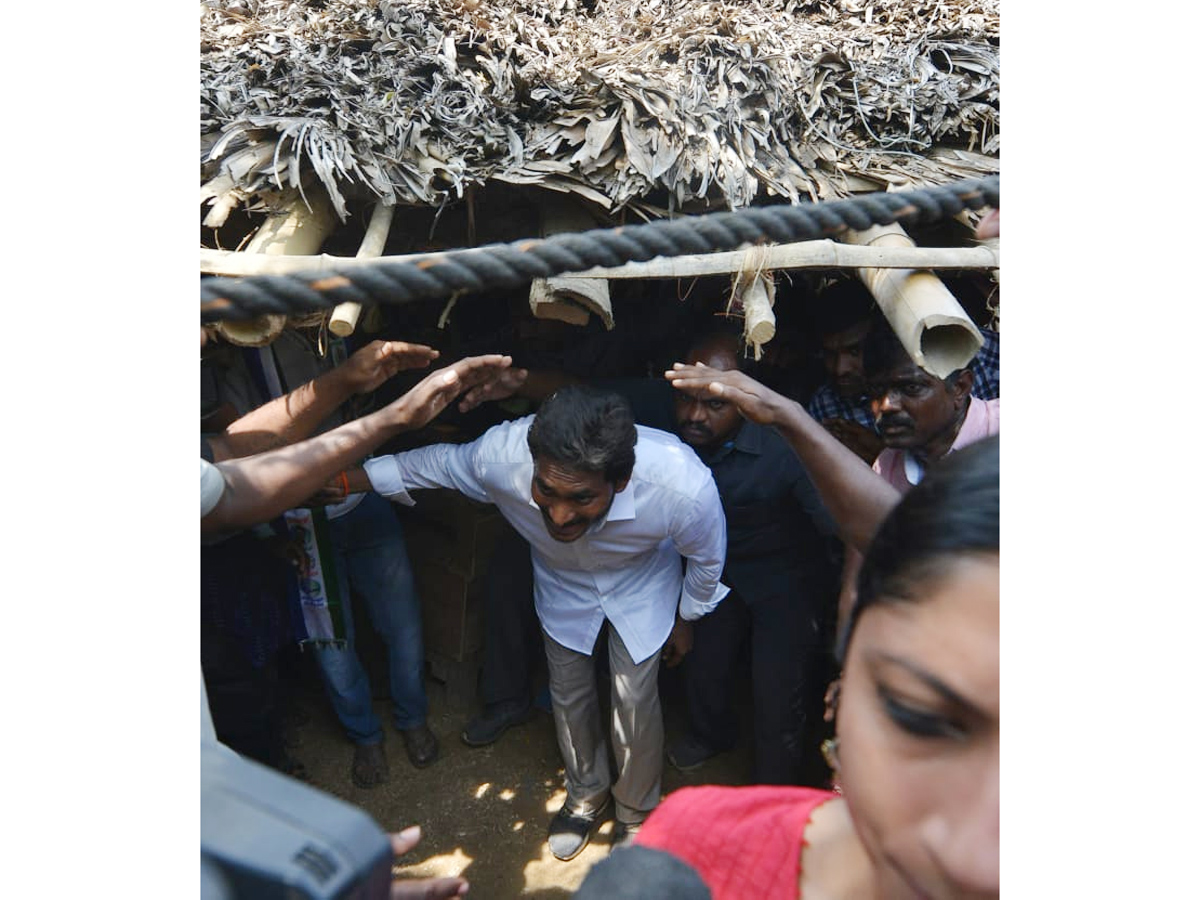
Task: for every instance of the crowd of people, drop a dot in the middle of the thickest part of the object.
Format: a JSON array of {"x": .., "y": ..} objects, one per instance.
[{"x": 848, "y": 545}]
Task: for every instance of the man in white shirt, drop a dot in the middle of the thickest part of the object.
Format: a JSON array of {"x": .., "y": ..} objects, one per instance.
[{"x": 607, "y": 529}]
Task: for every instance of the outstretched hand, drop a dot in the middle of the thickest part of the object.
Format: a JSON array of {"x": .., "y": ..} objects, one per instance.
[
  {"x": 439, "y": 389},
  {"x": 378, "y": 361},
  {"x": 422, "y": 888},
  {"x": 500, "y": 387},
  {"x": 755, "y": 401}
]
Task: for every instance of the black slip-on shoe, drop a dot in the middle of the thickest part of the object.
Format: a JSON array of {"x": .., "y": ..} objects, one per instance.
[
  {"x": 689, "y": 753},
  {"x": 421, "y": 745},
  {"x": 570, "y": 831},
  {"x": 623, "y": 833},
  {"x": 369, "y": 767},
  {"x": 495, "y": 719}
]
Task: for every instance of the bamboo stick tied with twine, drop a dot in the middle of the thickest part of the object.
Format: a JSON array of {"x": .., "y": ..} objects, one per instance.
[{"x": 753, "y": 288}]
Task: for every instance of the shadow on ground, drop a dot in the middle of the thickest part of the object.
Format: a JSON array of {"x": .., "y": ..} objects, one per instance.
[{"x": 483, "y": 812}]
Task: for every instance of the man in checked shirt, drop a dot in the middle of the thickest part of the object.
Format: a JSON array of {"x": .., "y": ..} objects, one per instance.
[{"x": 846, "y": 313}]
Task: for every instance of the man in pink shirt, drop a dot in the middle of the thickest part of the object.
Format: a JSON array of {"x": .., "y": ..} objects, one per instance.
[{"x": 920, "y": 417}]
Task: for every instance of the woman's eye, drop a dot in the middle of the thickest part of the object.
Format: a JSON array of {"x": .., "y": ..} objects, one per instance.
[{"x": 919, "y": 723}]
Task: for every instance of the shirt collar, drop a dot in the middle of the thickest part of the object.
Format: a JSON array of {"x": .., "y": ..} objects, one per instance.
[
  {"x": 914, "y": 469},
  {"x": 623, "y": 509},
  {"x": 749, "y": 438},
  {"x": 624, "y": 506},
  {"x": 973, "y": 427}
]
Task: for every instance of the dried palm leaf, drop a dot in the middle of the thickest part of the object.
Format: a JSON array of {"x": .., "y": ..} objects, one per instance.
[{"x": 710, "y": 102}]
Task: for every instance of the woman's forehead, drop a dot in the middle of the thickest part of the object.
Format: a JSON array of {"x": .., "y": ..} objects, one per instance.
[{"x": 949, "y": 628}]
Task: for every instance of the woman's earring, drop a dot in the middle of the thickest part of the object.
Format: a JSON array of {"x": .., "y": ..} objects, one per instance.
[
  {"x": 829, "y": 750},
  {"x": 829, "y": 747}
]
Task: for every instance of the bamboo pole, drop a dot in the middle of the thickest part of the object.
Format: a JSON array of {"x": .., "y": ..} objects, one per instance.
[
  {"x": 993, "y": 244},
  {"x": 934, "y": 329},
  {"x": 823, "y": 254},
  {"x": 757, "y": 300},
  {"x": 571, "y": 299},
  {"x": 296, "y": 229},
  {"x": 753, "y": 289},
  {"x": 345, "y": 315}
]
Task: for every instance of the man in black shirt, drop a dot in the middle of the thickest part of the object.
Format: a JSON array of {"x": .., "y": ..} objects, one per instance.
[{"x": 783, "y": 579}]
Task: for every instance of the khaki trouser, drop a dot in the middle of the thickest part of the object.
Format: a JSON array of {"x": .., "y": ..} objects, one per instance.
[{"x": 637, "y": 729}]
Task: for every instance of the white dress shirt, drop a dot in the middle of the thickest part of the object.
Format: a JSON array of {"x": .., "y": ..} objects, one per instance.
[{"x": 626, "y": 567}]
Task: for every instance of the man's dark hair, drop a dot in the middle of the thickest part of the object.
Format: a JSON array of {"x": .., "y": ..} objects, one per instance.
[
  {"x": 954, "y": 511},
  {"x": 726, "y": 334},
  {"x": 842, "y": 305},
  {"x": 882, "y": 350},
  {"x": 586, "y": 429}
]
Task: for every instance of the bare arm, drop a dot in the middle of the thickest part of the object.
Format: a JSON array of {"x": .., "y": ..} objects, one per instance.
[
  {"x": 856, "y": 497},
  {"x": 294, "y": 416},
  {"x": 262, "y": 486},
  {"x": 849, "y": 590},
  {"x": 503, "y": 383}
]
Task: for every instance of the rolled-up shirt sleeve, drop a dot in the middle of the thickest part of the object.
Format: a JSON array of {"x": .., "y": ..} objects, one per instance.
[
  {"x": 212, "y": 486},
  {"x": 699, "y": 536},
  {"x": 452, "y": 466}
]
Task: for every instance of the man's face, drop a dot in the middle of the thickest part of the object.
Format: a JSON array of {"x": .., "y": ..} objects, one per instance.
[
  {"x": 842, "y": 354},
  {"x": 706, "y": 423},
  {"x": 570, "y": 499},
  {"x": 912, "y": 407}
]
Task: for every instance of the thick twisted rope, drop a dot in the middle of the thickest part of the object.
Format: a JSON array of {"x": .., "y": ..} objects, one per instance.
[{"x": 510, "y": 265}]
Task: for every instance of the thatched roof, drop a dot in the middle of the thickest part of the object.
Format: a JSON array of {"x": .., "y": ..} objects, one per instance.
[{"x": 644, "y": 103}]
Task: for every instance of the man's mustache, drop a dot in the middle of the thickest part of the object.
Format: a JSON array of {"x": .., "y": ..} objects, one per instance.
[
  {"x": 574, "y": 523},
  {"x": 895, "y": 420}
]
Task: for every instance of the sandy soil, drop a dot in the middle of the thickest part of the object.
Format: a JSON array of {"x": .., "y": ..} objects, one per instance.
[{"x": 483, "y": 812}]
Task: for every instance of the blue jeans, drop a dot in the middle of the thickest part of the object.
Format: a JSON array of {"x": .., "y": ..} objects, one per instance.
[{"x": 371, "y": 558}]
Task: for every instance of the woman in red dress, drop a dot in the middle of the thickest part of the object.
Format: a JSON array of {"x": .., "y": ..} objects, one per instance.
[{"x": 918, "y": 730}]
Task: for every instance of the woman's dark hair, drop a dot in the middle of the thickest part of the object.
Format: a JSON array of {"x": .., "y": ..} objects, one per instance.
[
  {"x": 954, "y": 510},
  {"x": 586, "y": 429}
]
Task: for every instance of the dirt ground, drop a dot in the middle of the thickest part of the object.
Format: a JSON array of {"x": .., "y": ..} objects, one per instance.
[{"x": 483, "y": 812}]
